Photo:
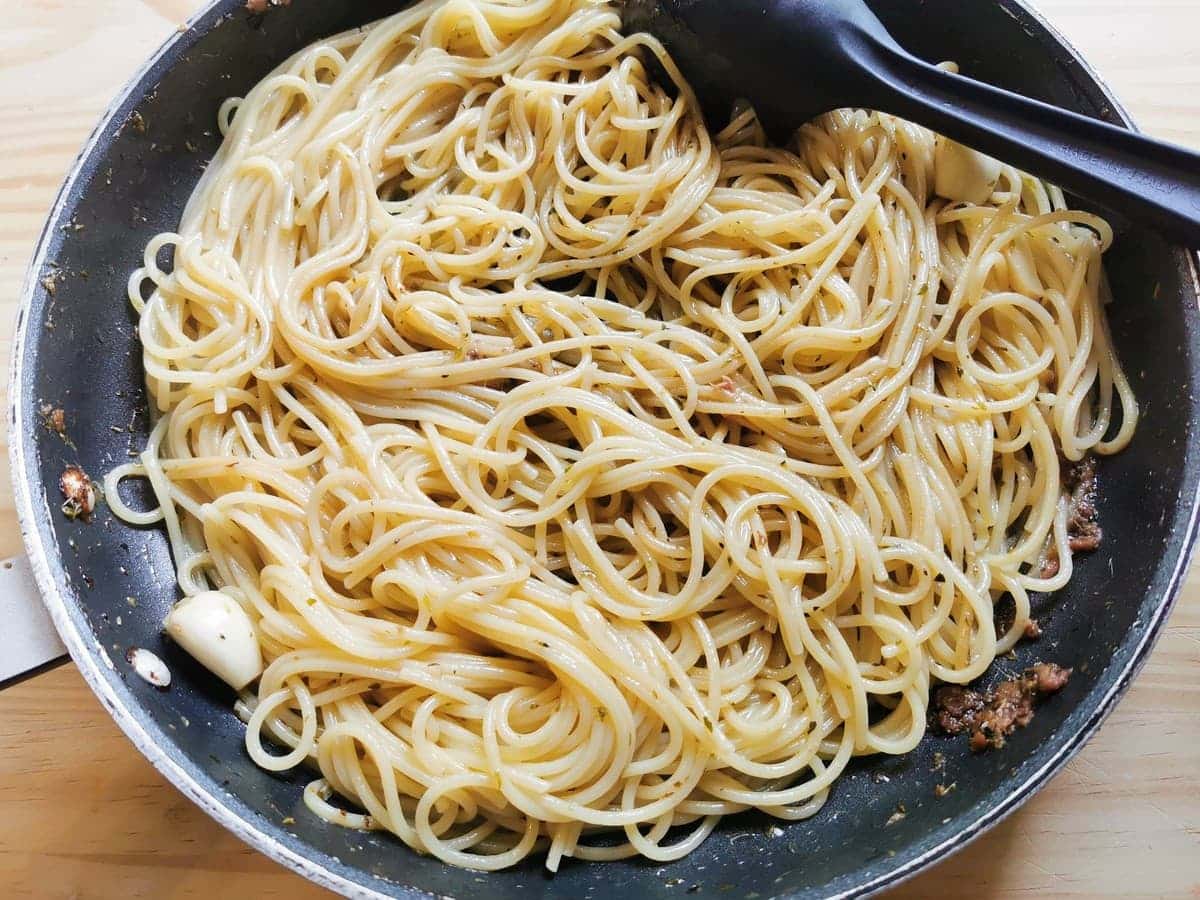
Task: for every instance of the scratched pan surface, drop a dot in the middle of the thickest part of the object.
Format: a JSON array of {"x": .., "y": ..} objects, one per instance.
[{"x": 76, "y": 348}]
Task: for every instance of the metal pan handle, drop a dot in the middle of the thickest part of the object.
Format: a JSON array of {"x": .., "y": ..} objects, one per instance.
[{"x": 30, "y": 641}]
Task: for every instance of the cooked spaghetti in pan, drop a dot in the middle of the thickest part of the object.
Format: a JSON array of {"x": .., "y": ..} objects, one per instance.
[{"x": 552, "y": 475}]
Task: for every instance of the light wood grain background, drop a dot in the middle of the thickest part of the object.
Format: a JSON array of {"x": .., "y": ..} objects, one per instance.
[{"x": 83, "y": 815}]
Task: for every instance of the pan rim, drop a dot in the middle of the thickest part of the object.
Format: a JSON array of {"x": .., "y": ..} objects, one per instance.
[
  {"x": 88, "y": 660},
  {"x": 91, "y": 657}
]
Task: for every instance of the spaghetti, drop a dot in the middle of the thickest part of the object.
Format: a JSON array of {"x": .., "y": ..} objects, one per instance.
[{"x": 582, "y": 472}]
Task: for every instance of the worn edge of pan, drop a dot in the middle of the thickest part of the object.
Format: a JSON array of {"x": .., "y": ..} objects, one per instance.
[
  {"x": 90, "y": 659},
  {"x": 89, "y": 655},
  {"x": 1071, "y": 743}
]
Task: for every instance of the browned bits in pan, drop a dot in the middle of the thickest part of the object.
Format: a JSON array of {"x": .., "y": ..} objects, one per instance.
[
  {"x": 991, "y": 718},
  {"x": 79, "y": 494}
]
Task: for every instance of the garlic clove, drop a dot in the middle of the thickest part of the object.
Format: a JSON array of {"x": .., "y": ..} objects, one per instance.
[
  {"x": 962, "y": 174},
  {"x": 218, "y": 633},
  {"x": 149, "y": 667}
]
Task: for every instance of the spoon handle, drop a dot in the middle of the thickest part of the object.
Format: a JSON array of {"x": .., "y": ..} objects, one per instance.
[{"x": 1146, "y": 180}]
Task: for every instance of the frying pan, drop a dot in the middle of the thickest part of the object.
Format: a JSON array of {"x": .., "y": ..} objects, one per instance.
[{"x": 108, "y": 586}]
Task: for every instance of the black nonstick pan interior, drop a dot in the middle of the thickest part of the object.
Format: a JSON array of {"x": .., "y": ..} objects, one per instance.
[{"x": 109, "y": 586}]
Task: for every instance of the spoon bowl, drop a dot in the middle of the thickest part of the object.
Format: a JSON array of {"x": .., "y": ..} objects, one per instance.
[
  {"x": 796, "y": 59},
  {"x": 791, "y": 58}
]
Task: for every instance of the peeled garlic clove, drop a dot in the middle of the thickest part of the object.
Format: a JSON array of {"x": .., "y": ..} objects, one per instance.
[
  {"x": 218, "y": 633},
  {"x": 149, "y": 667},
  {"x": 962, "y": 174}
]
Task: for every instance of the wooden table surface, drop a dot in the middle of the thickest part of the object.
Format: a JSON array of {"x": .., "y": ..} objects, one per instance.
[{"x": 83, "y": 815}]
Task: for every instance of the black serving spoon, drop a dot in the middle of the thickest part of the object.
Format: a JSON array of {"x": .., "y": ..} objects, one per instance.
[{"x": 796, "y": 59}]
